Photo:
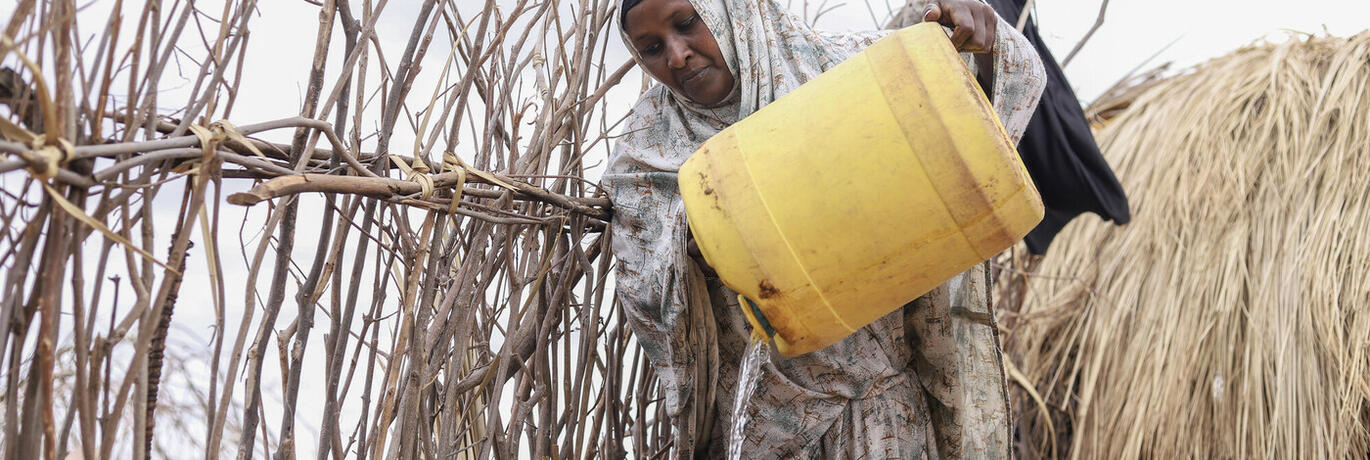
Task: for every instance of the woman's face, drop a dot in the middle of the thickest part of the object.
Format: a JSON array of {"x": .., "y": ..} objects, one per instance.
[{"x": 678, "y": 49}]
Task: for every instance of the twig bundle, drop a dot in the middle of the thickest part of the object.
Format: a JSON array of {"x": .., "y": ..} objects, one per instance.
[
  {"x": 452, "y": 299},
  {"x": 1230, "y": 319}
]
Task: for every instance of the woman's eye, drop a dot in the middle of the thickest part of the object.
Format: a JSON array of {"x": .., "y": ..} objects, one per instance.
[
  {"x": 652, "y": 49},
  {"x": 688, "y": 23}
]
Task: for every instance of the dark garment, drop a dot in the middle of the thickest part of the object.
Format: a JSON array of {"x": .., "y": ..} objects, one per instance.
[{"x": 1059, "y": 151}]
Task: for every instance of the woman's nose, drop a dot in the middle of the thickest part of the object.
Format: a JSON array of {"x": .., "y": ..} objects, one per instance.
[{"x": 677, "y": 53}]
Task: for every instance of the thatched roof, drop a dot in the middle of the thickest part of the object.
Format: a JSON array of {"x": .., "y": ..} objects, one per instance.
[{"x": 1230, "y": 319}]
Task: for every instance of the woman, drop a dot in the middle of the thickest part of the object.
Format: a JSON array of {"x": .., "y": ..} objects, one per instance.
[{"x": 923, "y": 382}]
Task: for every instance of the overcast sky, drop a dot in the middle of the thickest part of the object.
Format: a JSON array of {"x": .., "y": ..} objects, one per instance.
[
  {"x": 1195, "y": 30},
  {"x": 1133, "y": 30}
]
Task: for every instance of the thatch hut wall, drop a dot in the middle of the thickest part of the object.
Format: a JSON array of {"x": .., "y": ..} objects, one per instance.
[{"x": 1230, "y": 319}]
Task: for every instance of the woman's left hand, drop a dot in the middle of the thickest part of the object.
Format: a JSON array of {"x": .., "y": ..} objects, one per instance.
[
  {"x": 973, "y": 23},
  {"x": 693, "y": 250}
]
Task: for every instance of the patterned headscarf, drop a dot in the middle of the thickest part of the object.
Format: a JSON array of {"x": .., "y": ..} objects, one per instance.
[{"x": 768, "y": 50}]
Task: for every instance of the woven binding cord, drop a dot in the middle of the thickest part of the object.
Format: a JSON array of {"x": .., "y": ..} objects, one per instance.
[
  {"x": 417, "y": 172},
  {"x": 48, "y": 159},
  {"x": 452, "y": 162},
  {"x": 44, "y": 159}
]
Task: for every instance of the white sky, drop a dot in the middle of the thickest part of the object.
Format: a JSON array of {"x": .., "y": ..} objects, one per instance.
[
  {"x": 1200, "y": 29},
  {"x": 1185, "y": 32},
  {"x": 1134, "y": 30},
  {"x": 282, "y": 39}
]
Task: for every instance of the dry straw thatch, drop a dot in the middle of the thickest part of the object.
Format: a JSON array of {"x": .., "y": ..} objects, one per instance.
[{"x": 1229, "y": 320}]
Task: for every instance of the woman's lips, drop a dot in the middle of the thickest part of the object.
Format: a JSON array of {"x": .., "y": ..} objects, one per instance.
[{"x": 694, "y": 77}]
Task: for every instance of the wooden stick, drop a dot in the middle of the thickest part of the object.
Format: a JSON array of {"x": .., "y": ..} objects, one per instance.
[{"x": 1081, "y": 44}]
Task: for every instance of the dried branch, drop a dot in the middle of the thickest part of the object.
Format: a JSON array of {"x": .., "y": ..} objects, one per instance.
[
  {"x": 1098, "y": 22},
  {"x": 467, "y": 309}
]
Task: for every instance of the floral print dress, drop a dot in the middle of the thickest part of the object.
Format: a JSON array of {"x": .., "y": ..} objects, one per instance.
[{"x": 926, "y": 381}]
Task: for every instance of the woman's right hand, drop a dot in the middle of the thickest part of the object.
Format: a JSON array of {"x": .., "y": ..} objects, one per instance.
[{"x": 973, "y": 23}]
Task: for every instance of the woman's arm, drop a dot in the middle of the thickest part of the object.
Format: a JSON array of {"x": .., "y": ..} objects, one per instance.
[
  {"x": 1017, "y": 77},
  {"x": 661, "y": 290}
]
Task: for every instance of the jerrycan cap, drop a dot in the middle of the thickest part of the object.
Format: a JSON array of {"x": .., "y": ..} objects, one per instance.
[
  {"x": 761, "y": 328},
  {"x": 755, "y": 316}
]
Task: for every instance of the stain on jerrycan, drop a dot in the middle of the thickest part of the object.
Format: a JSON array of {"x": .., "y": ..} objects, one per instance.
[{"x": 859, "y": 191}]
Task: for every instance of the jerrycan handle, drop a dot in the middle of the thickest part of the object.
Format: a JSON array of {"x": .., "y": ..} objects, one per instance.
[
  {"x": 754, "y": 316},
  {"x": 989, "y": 93}
]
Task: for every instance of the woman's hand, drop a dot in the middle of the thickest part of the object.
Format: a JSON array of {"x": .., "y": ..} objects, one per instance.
[
  {"x": 973, "y": 23},
  {"x": 693, "y": 250}
]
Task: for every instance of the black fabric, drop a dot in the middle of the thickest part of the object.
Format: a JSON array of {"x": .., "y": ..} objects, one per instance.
[{"x": 1059, "y": 151}]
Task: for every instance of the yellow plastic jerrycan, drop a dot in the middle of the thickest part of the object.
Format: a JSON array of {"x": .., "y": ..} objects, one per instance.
[{"x": 859, "y": 191}]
